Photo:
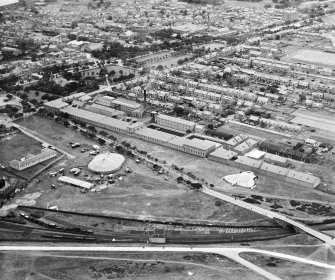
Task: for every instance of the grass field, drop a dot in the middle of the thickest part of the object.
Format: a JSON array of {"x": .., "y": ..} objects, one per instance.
[
  {"x": 291, "y": 270},
  {"x": 150, "y": 266},
  {"x": 172, "y": 61},
  {"x": 17, "y": 146}
]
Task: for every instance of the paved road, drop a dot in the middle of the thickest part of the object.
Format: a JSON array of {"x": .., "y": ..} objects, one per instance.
[
  {"x": 231, "y": 253},
  {"x": 319, "y": 235}
]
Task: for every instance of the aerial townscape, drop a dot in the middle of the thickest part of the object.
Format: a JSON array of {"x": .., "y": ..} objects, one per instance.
[{"x": 167, "y": 139}]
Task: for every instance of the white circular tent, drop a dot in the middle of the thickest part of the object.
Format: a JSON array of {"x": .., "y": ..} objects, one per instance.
[{"x": 106, "y": 163}]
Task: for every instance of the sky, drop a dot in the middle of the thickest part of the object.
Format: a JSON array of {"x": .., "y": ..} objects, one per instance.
[{"x": 6, "y": 2}]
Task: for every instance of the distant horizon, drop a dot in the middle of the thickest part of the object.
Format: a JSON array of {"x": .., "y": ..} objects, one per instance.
[{"x": 8, "y": 2}]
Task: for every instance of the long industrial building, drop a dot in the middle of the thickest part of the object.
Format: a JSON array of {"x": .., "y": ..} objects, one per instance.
[{"x": 31, "y": 160}]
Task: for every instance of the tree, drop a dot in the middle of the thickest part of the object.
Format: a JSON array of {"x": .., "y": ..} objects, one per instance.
[
  {"x": 112, "y": 73},
  {"x": 37, "y": 93},
  {"x": 24, "y": 96},
  {"x": 9, "y": 96},
  {"x": 196, "y": 186},
  {"x": 180, "y": 179},
  {"x": 302, "y": 98},
  {"x": 179, "y": 111},
  {"x": 210, "y": 126},
  {"x": 101, "y": 141},
  {"x": 121, "y": 72},
  {"x": 50, "y": 115},
  {"x": 66, "y": 123},
  {"x": 281, "y": 98},
  {"x": 92, "y": 128},
  {"x": 159, "y": 67}
]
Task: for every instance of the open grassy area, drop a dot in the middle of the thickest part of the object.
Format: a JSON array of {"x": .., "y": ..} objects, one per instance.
[
  {"x": 70, "y": 266},
  {"x": 288, "y": 269},
  {"x": 143, "y": 193},
  {"x": 17, "y": 146}
]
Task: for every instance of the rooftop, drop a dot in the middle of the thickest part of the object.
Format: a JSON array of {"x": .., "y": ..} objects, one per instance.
[
  {"x": 76, "y": 182},
  {"x": 222, "y": 153},
  {"x": 177, "y": 120}
]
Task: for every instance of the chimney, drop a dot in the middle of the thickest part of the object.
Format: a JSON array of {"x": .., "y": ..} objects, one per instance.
[{"x": 145, "y": 98}]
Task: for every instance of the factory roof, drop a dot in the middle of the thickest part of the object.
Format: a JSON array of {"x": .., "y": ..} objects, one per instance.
[
  {"x": 57, "y": 103},
  {"x": 90, "y": 116},
  {"x": 177, "y": 120},
  {"x": 248, "y": 161},
  {"x": 303, "y": 177},
  {"x": 274, "y": 169},
  {"x": 237, "y": 139},
  {"x": 256, "y": 154},
  {"x": 245, "y": 145},
  {"x": 127, "y": 103},
  {"x": 199, "y": 144},
  {"x": 222, "y": 153},
  {"x": 155, "y": 134},
  {"x": 107, "y": 109},
  {"x": 275, "y": 158}
]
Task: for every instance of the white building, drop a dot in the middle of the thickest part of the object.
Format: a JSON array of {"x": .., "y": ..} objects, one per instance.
[{"x": 31, "y": 160}]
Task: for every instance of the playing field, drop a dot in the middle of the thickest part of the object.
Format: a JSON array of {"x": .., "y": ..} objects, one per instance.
[{"x": 314, "y": 119}]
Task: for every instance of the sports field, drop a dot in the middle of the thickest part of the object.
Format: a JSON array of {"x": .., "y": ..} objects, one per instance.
[{"x": 314, "y": 119}]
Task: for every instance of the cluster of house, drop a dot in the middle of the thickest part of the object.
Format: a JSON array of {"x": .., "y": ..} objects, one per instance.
[{"x": 270, "y": 78}]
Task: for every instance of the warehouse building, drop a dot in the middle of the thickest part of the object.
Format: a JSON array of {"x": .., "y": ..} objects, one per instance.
[
  {"x": 75, "y": 182},
  {"x": 250, "y": 164},
  {"x": 104, "y": 100},
  {"x": 100, "y": 121},
  {"x": 302, "y": 179},
  {"x": 275, "y": 159},
  {"x": 273, "y": 171},
  {"x": 173, "y": 123},
  {"x": 54, "y": 106},
  {"x": 31, "y": 160},
  {"x": 222, "y": 156},
  {"x": 233, "y": 142},
  {"x": 154, "y": 136},
  {"x": 104, "y": 110},
  {"x": 245, "y": 146}
]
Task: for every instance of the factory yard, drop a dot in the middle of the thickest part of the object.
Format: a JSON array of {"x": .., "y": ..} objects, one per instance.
[{"x": 139, "y": 194}]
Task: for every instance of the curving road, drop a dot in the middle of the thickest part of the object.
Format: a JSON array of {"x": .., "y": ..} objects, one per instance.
[
  {"x": 319, "y": 235},
  {"x": 231, "y": 253}
]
